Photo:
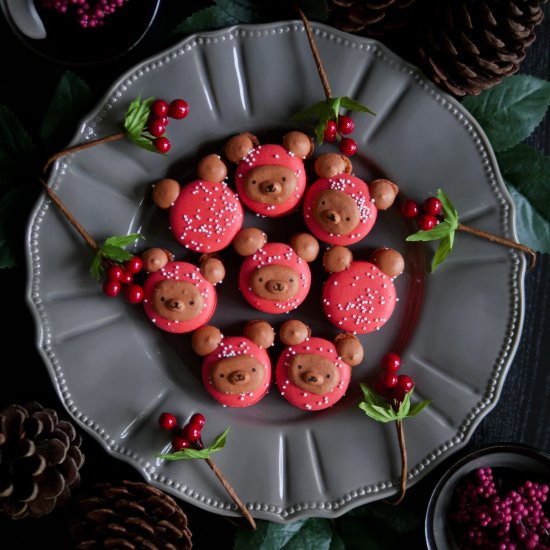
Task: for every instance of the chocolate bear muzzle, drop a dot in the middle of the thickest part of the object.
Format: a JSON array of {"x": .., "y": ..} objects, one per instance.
[
  {"x": 237, "y": 374},
  {"x": 336, "y": 212},
  {"x": 177, "y": 300},
  {"x": 270, "y": 184},
  {"x": 275, "y": 282},
  {"x": 313, "y": 373}
]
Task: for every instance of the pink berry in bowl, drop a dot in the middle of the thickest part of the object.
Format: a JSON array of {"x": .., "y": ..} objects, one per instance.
[
  {"x": 178, "y": 109},
  {"x": 432, "y": 206},
  {"x": 159, "y": 108},
  {"x": 167, "y": 421}
]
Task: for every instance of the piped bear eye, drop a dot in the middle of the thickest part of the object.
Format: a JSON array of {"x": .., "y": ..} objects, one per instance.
[
  {"x": 327, "y": 376},
  {"x": 299, "y": 367},
  {"x": 253, "y": 182},
  {"x": 191, "y": 302},
  {"x": 222, "y": 375},
  {"x": 283, "y": 178},
  {"x": 291, "y": 280},
  {"x": 347, "y": 218},
  {"x": 261, "y": 280},
  {"x": 162, "y": 298},
  {"x": 323, "y": 203},
  {"x": 253, "y": 369}
]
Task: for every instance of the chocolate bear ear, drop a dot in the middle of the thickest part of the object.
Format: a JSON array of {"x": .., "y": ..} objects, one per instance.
[
  {"x": 349, "y": 348},
  {"x": 299, "y": 144},
  {"x": 237, "y": 147},
  {"x": 206, "y": 339},
  {"x": 154, "y": 259},
  {"x": 388, "y": 261},
  {"x": 305, "y": 245},
  {"x": 294, "y": 332},
  {"x": 337, "y": 259},
  {"x": 249, "y": 240},
  {"x": 212, "y": 168},
  {"x": 383, "y": 193},
  {"x": 332, "y": 164},
  {"x": 260, "y": 332},
  {"x": 212, "y": 268},
  {"x": 165, "y": 192}
]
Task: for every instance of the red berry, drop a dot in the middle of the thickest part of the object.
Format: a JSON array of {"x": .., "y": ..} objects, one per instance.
[
  {"x": 345, "y": 125},
  {"x": 134, "y": 265},
  {"x": 179, "y": 442},
  {"x": 409, "y": 209},
  {"x": 159, "y": 108},
  {"x": 197, "y": 420},
  {"x": 391, "y": 362},
  {"x": 404, "y": 386},
  {"x": 348, "y": 146},
  {"x": 111, "y": 288},
  {"x": 134, "y": 294},
  {"x": 380, "y": 389},
  {"x": 426, "y": 222},
  {"x": 167, "y": 421},
  {"x": 156, "y": 127},
  {"x": 115, "y": 272},
  {"x": 126, "y": 278},
  {"x": 191, "y": 433},
  {"x": 432, "y": 206},
  {"x": 162, "y": 144},
  {"x": 388, "y": 380},
  {"x": 178, "y": 109},
  {"x": 330, "y": 131},
  {"x": 165, "y": 120}
]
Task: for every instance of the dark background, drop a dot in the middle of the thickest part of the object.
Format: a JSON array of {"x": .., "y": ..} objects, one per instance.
[{"x": 27, "y": 81}]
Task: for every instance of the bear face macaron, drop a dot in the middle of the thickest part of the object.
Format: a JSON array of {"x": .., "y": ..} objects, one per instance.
[
  {"x": 236, "y": 370},
  {"x": 339, "y": 208},
  {"x": 205, "y": 214},
  {"x": 313, "y": 373},
  {"x": 180, "y": 297},
  {"x": 360, "y": 296},
  {"x": 275, "y": 277},
  {"x": 270, "y": 179}
]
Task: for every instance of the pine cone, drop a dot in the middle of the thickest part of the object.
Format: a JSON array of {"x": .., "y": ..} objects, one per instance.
[
  {"x": 377, "y": 19},
  {"x": 39, "y": 460},
  {"x": 469, "y": 46},
  {"x": 130, "y": 516}
]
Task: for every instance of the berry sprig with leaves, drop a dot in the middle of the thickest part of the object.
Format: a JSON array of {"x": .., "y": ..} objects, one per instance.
[
  {"x": 391, "y": 402},
  {"x": 436, "y": 227},
  {"x": 187, "y": 445}
]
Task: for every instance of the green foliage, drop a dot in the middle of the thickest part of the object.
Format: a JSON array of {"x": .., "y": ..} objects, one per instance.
[
  {"x": 190, "y": 454},
  {"x": 112, "y": 249},
  {"x": 14, "y": 206},
  {"x": 508, "y": 114},
  {"x": 135, "y": 121},
  {"x": 72, "y": 97}
]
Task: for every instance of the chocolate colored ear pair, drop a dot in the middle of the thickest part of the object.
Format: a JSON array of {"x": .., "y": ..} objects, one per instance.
[
  {"x": 249, "y": 240},
  {"x": 382, "y": 191},
  {"x": 387, "y": 260},
  {"x": 211, "y": 267},
  {"x": 349, "y": 347}
]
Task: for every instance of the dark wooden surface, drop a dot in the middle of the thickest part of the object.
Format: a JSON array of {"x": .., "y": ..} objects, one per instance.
[{"x": 521, "y": 415}]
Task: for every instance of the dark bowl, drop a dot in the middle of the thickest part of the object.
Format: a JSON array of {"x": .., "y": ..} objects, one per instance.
[{"x": 520, "y": 463}]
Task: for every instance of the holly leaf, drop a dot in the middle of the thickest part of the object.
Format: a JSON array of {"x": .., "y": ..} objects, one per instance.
[
  {"x": 404, "y": 406},
  {"x": 112, "y": 249},
  {"x": 71, "y": 100},
  {"x": 417, "y": 407},
  {"x": 17, "y": 151},
  {"x": 510, "y": 111},
  {"x": 443, "y": 250},
  {"x": 352, "y": 105},
  {"x": 206, "y": 19},
  {"x": 440, "y": 231},
  {"x": 191, "y": 454},
  {"x": 303, "y": 534},
  {"x": 371, "y": 396},
  {"x": 450, "y": 213},
  {"x": 135, "y": 120}
]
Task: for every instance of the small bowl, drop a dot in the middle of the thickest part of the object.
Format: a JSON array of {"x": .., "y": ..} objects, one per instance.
[{"x": 522, "y": 461}]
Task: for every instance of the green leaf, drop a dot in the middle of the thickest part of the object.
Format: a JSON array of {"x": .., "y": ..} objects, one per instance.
[
  {"x": 445, "y": 246},
  {"x": 371, "y": 396},
  {"x": 532, "y": 229},
  {"x": 394, "y": 519},
  {"x": 17, "y": 151},
  {"x": 376, "y": 412},
  {"x": 303, "y": 534},
  {"x": 450, "y": 213},
  {"x": 71, "y": 99},
  {"x": 404, "y": 406},
  {"x": 206, "y": 19},
  {"x": 115, "y": 253},
  {"x": 510, "y": 111},
  {"x": 528, "y": 171},
  {"x": 190, "y": 454},
  {"x": 123, "y": 240},
  {"x": 96, "y": 269},
  {"x": 136, "y": 117},
  {"x": 311, "y": 112},
  {"x": 352, "y": 105},
  {"x": 417, "y": 407},
  {"x": 440, "y": 231}
]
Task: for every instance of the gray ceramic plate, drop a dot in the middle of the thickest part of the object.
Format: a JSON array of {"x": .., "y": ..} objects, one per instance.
[{"x": 457, "y": 330}]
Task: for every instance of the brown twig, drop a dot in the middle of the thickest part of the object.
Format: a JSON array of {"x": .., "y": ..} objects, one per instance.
[
  {"x": 227, "y": 486},
  {"x": 315, "y": 52},
  {"x": 72, "y": 220},
  {"x": 82, "y": 147},
  {"x": 404, "y": 466},
  {"x": 500, "y": 240}
]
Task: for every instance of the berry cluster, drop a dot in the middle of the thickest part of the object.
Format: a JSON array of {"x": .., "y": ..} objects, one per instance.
[
  {"x": 427, "y": 215},
  {"x": 390, "y": 385},
  {"x": 121, "y": 278},
  {"x": 342, "y": 127},
  {"x": 89, "y": 15},
  {"x": 161, "y": 112},
  {"x": 189, "y": 436},
  {"x": 484, "y": 517}
]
